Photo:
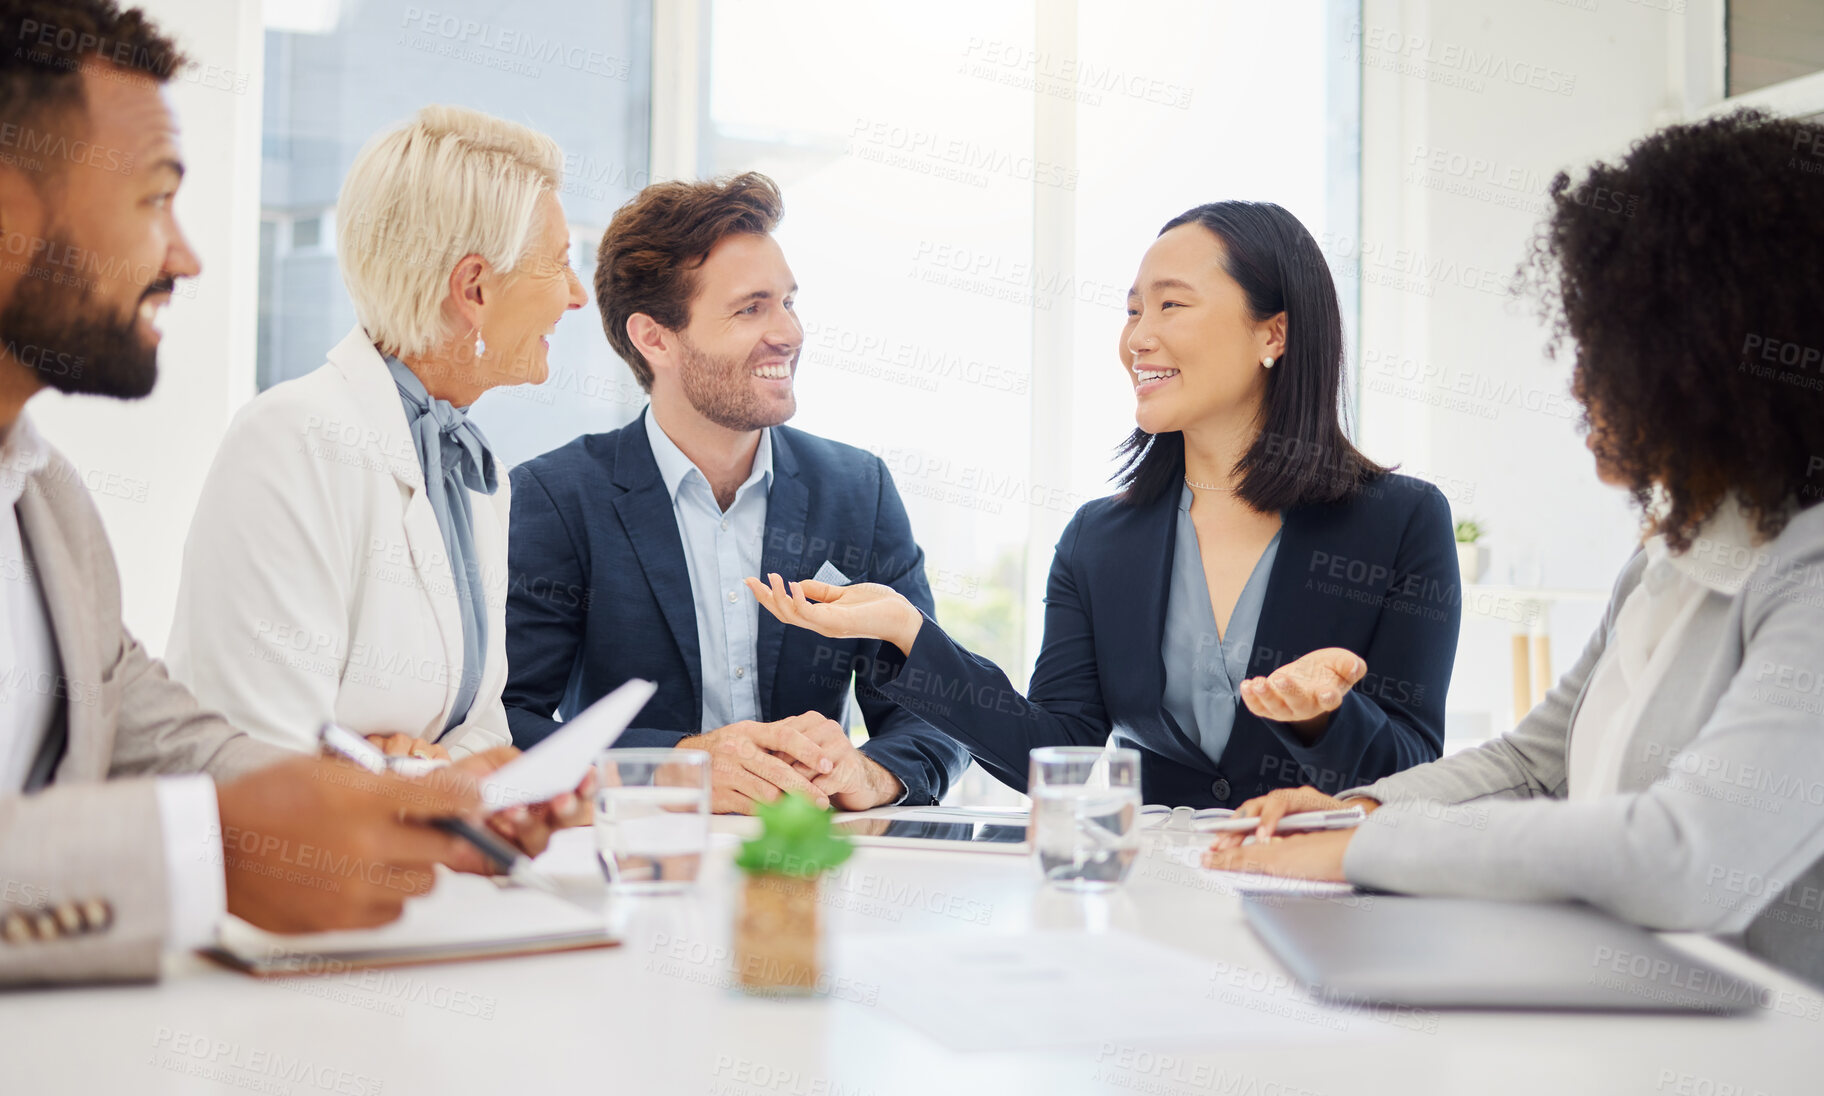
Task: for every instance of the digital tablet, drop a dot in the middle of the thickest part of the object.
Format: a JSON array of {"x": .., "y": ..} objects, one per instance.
[{"x": 957, "y": 829}]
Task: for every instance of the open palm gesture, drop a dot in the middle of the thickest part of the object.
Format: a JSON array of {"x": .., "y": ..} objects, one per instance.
[
  {"x": 1305, "y": 692},
  {"x": 867, "y": 610}
]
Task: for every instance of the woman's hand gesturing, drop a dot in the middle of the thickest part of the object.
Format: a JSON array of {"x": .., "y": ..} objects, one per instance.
[
  {"x": 866, "y": 610},
  {"x": 1303, "y": 693}
]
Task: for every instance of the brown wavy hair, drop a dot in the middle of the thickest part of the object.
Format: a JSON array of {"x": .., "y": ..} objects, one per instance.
[
  {"x": 1684, "y": 278},
  {"x": 649, "y": 256}
]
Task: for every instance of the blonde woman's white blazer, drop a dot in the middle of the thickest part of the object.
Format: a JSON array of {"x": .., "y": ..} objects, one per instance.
[{"x": 315, "y": 582}]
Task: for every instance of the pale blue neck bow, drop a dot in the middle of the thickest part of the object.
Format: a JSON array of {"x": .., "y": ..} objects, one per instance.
[
  {"x": 443, "y": 434},
  {"x": 447, "y": 441}
]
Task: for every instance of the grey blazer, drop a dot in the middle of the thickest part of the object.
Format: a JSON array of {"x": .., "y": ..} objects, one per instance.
[
  {"x": 92, "y": 836},
  {"x": 1719, "y": 824}
]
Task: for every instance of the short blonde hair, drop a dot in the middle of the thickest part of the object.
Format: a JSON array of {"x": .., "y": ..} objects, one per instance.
[{"x": 450, "y": 182}]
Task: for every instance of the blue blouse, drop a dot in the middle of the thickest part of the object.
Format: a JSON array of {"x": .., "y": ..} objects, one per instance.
[{"x": 1204, "y": 669}]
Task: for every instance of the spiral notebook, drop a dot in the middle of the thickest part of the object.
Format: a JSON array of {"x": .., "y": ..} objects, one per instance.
[
  {"x": 464, "y": 917},
  {"x": 1158, "y": 816}
]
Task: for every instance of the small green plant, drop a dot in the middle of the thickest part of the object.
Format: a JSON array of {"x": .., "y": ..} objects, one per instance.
[
  {"x": 1469, "y": 531},
  {"x": 795, "y": 839}
]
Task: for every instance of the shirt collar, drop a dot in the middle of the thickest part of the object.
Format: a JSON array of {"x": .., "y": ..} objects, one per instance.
[
  {"x": 1725, "y": 551},
  {"x": 675, "y": 467},
  {"x": 23, "y": 455}
]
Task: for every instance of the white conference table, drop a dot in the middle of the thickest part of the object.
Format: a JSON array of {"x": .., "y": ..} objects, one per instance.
[{"x": 648, "y": 1018}]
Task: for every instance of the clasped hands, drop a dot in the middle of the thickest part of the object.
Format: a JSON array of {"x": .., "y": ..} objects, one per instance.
[
  {"x": 753, "y": 762},
  {"x": 1301, "y": 694}
]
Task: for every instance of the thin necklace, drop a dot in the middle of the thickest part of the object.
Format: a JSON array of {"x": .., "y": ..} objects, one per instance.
[{"x": 1208, "y": 486}]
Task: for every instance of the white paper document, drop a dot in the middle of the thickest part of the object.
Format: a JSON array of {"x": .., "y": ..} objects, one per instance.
[
  {"x": 558, "y": 764},
  {"x": 1246, "y": 882},
  {"x": 570, "y": 853},
  {"x": 1042, "y": 990}
]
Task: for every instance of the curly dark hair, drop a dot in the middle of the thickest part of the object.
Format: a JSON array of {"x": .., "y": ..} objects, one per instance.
[
  {"x": 1685, "y": 276},
  {"x": 648, "y": 258}
]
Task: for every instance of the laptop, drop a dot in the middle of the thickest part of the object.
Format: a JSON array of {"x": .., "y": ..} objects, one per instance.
[{"x": 1467, "y": 953}]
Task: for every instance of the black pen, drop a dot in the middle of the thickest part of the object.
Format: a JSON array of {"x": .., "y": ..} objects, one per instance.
[{"x": 500, "y": 854}]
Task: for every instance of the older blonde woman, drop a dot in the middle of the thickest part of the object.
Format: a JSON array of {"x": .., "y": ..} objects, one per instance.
[{"x": 348, "y": 556}]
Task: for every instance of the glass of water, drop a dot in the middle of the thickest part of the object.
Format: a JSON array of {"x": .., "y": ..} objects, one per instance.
[
  {"x": 1085, "y": 815},
  {"x": 651, "y": 818}
]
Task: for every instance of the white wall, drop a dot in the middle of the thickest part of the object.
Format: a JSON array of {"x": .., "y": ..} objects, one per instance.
[
  {"x": 1458, "y": 148},
  {"x": 145, "y": 460}
]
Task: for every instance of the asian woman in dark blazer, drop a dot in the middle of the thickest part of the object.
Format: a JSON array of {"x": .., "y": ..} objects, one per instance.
[{"x": 1259, "y": 606}]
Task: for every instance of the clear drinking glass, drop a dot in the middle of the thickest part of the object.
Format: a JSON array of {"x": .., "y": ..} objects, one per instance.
[
  {"x": 1085, "y": 815},
  {"x": 651, "y": 818}
]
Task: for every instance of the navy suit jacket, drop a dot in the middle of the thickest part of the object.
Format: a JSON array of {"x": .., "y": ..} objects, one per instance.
[
  {"x": 1376, "y": 574},
  {"x": 599, "y": 593}
]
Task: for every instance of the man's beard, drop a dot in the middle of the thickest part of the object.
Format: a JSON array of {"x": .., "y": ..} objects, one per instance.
[
  {"x": 721, "y": 390},
  {"x": 65, "y": 335}
]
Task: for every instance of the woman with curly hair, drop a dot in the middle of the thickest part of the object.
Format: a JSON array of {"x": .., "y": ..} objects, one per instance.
[{"x": 1675, "y": 776}]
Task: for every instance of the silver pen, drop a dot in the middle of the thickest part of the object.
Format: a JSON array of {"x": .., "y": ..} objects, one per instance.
[
  {"x": 1303, "y": 822},
  {"x": 500, "y": 854}
]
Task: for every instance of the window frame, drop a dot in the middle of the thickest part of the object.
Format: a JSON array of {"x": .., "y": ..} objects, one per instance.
[{"x": 1700, "y": 50}]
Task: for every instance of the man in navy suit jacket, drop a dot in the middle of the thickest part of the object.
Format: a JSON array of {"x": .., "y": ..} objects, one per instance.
[{"x": 628, "y": 548}]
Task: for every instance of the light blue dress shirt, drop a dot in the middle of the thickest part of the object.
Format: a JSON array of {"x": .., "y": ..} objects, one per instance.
[
  {"x": 455, "y": 459},
  {"x": 1203, "y": 669},
  {"x": 720, "y": 549}
]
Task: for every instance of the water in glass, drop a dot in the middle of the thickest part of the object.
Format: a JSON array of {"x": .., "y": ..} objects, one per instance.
[
  {"x": 1085, "y": 837},
  {"x": 651, "y": 838}
]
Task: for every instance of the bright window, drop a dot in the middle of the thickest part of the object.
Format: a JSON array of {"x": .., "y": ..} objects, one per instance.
[
  {"x": 969, "y": 187},
  {"x": 338, "y": 72},
  {"x": 968, "y": 193}
]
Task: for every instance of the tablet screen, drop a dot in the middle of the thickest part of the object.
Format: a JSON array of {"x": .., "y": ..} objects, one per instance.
[{"x": 982, "y": 833}]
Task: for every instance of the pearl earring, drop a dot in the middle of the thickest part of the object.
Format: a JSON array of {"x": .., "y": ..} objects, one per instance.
[
  {"x": 481, "y": 344},
  {"x": 1266, "y": 362}
]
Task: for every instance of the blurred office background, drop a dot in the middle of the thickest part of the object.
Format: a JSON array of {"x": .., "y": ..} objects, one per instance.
[{"x": 969, "y": 186}]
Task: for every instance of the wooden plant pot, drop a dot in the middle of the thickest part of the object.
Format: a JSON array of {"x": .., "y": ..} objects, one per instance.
[
  {"x": 776, "y": 936},
  {"x": 1472, "y": 561}
]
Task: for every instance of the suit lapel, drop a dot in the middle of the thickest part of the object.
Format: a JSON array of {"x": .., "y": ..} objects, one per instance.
[
  {"x": 1156, "y": 531},
  {"x": 90, "y": 740},
  {"x": 787, "y": 506},
  {"x": 436, "y": 574},
  {"x": 1295, "y": 546},
  {"x": 372, "y": 384},
  {"x": 651, "y": 526},
  {"x": 1687, "y": 693}
]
